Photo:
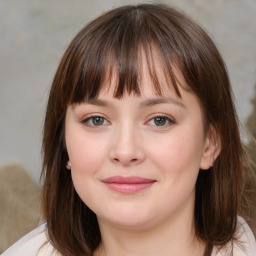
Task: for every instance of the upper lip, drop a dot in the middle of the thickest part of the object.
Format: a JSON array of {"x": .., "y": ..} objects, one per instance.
[{"x": 127, "y": 180}]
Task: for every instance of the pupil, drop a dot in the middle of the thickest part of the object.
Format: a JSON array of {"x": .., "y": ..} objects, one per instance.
[
  {"x": 97, "y": 120},
  {"x": 160, "y": 121}
]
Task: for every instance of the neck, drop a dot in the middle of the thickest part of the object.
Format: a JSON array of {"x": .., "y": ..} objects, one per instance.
[{"x": 172, "y": 237}]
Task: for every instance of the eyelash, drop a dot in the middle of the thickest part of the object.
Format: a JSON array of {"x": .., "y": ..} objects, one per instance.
[
  {"x": 91, "y": 118},
  {"x": 168, "y": 121},
  {"x": 163, "y": 117}
]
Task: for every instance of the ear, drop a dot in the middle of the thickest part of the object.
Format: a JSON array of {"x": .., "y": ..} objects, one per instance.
[
  {"x": 68, "y": 166},
  {"x": 212, "y": 149}
]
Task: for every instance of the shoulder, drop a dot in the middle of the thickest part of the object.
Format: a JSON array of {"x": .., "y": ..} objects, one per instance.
[
  {"x": 34, "y": 243},
  {"x": 245, "y": 235},
  {"x": 246, "y": 244}
]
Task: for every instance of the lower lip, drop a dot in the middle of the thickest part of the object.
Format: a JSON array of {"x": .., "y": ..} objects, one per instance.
[{"x": 128, "y": 188}]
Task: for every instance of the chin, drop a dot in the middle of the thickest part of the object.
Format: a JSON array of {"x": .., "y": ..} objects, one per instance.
[{"x": 127, "y": 219}]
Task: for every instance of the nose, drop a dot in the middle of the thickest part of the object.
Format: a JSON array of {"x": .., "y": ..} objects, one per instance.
[{"x": 127, "y": 147}]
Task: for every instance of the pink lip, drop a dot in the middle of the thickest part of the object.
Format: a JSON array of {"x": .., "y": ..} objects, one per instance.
[{"x": 128, "y": 185}]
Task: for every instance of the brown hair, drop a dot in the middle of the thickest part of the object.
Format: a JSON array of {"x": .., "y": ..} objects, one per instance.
[{"x": 114, "y": 40}]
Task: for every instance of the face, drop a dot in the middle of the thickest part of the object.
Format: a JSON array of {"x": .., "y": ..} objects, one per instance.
[{"x": 135, "y": 160}]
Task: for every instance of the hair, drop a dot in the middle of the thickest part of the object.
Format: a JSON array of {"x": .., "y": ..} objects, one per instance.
[{"x": 115, "y": 40}]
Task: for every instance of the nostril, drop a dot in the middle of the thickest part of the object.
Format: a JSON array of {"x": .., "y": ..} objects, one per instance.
[{"x": 133, "y": 160}]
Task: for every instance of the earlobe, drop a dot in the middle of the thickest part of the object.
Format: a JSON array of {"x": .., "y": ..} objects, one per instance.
[
  {"x": 212, "y": 149},
  {"x": 68, "y": 165}
]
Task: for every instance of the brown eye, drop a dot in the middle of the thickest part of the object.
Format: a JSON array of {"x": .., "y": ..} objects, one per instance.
[
  {"x": 97, "y": 120},
  {"x": 94, "y": 121},
  {"x": 160, "y": 121}
]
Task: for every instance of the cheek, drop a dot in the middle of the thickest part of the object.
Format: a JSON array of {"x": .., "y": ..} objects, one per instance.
[
  {"x": 86, "y": 156},
  {"x": 175, "y": 151},
  {"x": 85, "y": 153},
  {"x": 178, "y": 158}
]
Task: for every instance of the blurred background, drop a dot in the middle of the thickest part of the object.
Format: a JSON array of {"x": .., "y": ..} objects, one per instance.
[{"x": 35, "y": 34}]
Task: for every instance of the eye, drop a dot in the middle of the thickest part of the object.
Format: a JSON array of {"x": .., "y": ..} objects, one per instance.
[
  {"x": 161, "y": 121},
  {"x": 95, "y": 121}
]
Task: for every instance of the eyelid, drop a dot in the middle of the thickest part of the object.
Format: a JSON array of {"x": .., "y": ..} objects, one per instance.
[
  {"x": 170, "y": 120},
  {"x": 91, "y": 116}
]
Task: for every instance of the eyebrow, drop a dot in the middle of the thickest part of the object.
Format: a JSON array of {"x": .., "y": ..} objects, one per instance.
[
  {"x": 160, "y": 100},
  {"x": 97, "y": 102},
  {"x": 144, "y": 104}
]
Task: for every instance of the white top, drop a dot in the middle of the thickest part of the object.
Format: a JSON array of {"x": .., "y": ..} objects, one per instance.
[{"x": 35, "y": 243}]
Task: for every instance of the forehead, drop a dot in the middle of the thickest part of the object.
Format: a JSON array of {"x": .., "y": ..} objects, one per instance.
[
  {"x": 148, "y": 97},
  {"x": 153, "y": 78}
]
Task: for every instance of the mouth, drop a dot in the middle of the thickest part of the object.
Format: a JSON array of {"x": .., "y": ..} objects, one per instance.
[{"x": 128, "y": 185}]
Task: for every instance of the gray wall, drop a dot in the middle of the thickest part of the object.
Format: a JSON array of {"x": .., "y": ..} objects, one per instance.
[{"x": 34, "y": 35}]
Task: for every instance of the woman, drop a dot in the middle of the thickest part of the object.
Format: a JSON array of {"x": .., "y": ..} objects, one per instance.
[{"x": 142, "y": 152}]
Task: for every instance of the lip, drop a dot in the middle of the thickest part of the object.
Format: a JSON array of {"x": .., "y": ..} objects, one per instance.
[{"x": 128, "y": 185}]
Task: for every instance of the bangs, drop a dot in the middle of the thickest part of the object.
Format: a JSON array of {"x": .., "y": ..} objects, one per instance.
[{"x": 115, "y": 50}]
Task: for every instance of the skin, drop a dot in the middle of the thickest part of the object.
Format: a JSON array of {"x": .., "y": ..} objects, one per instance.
[{"x": 127, "y": 140}]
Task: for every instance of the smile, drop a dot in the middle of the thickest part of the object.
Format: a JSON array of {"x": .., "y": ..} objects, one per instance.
[{"x": 128, "y": 185}]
